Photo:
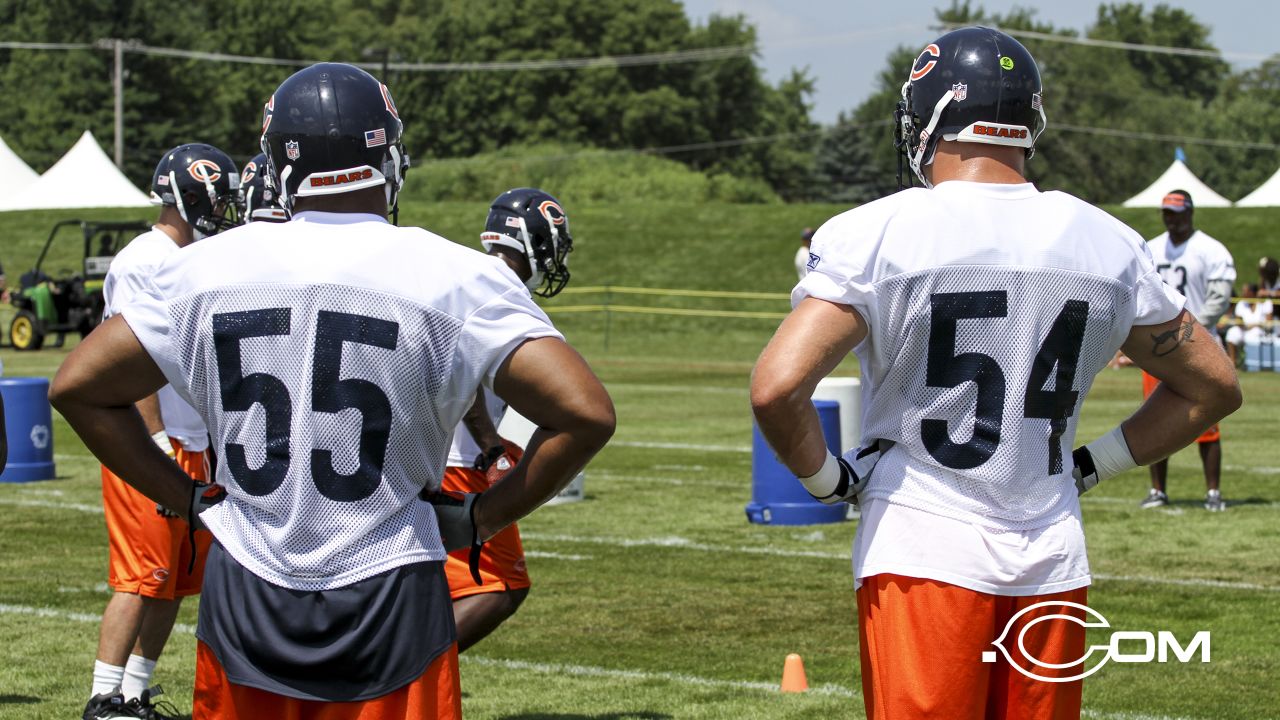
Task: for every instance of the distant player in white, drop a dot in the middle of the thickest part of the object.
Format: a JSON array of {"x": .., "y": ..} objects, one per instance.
[
  {"x": 980, "y": 310},
  {"x": 1200, "y": 268},
  {"x": 529, "y": 231},
  {"x": 154, "y": 559},
  {"x": 331, "y": 357}
]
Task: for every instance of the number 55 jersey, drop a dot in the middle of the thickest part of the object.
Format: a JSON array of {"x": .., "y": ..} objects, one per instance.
[
  {"x": 332, "y": 356},
  {"x": 990, "y": 310}
]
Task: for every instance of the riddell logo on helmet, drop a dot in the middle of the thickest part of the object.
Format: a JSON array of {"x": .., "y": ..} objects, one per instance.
[
  {"x": 1005, "y": 132},
  {"x": 341, "y": 178}
]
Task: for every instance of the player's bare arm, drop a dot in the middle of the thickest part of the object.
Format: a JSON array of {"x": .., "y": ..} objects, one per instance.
[
  {"x": 1198, "y": 387},
  {"x": 96, "y": 390},
  {"x": 807, "y": 347},
  {"x": 549, "y": 383}
]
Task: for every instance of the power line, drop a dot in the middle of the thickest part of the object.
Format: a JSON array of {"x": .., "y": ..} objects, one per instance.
[
  {"x": 1119, "y": 45},
  {"x": 13, "y": 45},
  {"x": 1183, "y": 139},
  {"x": 660, "y": 58}
]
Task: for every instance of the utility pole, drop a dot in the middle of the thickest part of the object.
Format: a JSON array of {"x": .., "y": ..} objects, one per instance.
[{"x": 118, "y": 82}]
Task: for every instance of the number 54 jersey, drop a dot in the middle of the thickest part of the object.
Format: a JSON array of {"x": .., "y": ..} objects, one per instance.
[
  {"x": 991, "y": 308},
  {"x": 331, "y": 357}
]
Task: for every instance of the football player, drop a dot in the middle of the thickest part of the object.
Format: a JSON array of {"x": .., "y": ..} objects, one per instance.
[
  {"x": 980, "y": 310},
  {"x": 155, "y": 560},
  {"x": 1202, "y": 269},
  {"x": 528, "y": 230},
  {"x": 332, "y": 356},
  {"x": 258, "y": 198}
]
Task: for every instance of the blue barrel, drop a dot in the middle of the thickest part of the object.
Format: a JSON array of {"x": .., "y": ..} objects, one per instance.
[
  {"x": 28, "y": 423},
  {"x": 777, "y": 497}
]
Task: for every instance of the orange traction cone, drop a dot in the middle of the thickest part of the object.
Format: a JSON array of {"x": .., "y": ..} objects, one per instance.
[{"x": 793, "y": 679}]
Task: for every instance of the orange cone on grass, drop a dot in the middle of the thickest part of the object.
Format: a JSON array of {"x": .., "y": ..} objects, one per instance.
[{"x": 793, "y": 679}]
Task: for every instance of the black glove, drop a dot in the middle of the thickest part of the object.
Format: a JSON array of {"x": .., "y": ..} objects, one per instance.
[
  {"x": 203, "y": 497},
  {"x": 456, "y": 517},
  {"x": 1084, "y": 473}
]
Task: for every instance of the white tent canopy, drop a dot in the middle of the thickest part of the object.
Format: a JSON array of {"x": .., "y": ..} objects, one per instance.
[
  {"x": 1178, "y": 177},
  {"x": 1266, "y": 195},
  {"x": 15, "y": 175},
  {"x": 84, "y": 178}
]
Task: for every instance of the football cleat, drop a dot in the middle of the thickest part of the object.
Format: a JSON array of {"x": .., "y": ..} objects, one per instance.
[
  {"x": 1213, "y": 501},
  {"x": 1154, "y": 499},
  {"x": 107, "y": 706}
]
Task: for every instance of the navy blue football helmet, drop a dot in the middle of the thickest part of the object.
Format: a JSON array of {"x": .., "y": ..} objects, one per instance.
[
  {"x": 974, "y": 84},
  {"x": 333, "y": 128},
  {"x": 201, "y": 182},
  {"x": 258, "y": 197},
  {"x": 533, "y": 223}
]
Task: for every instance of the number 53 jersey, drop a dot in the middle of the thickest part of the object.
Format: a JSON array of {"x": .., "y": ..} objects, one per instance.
[
  {"x": 331, "y": 357},
  {"x": 991, "y": 308}
]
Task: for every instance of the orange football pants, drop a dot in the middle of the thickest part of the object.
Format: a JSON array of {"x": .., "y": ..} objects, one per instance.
[
  {"x": 502, "y": 565},
  {"x": 435, "y": 695},
  {"x": 1149, "y": 384},
  {"x": 149, "y": 554},
  {"x": 922, "y": 644}
]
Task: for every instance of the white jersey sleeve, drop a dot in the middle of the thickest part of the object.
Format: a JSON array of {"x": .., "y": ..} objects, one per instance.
[
  {"x": 332, "y": 367},
  {"x": 129, "y": 276}
]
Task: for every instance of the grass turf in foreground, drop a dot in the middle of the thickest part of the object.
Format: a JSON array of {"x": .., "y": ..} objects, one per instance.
[{"x": 655, "y": 598}]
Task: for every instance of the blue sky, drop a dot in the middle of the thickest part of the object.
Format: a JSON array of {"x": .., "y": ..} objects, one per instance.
[{"x": 844, "y": 43}]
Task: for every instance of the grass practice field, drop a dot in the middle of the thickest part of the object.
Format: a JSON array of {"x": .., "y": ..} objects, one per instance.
[{"x": 655, "y": 598}]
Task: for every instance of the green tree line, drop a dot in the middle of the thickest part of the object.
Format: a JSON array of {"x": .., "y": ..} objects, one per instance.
[
  {"x": 1092, "y": 87},
  {"x": 52, "y": 96}
]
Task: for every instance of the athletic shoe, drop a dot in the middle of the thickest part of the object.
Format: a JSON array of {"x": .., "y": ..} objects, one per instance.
[
  {"x": 107, "y": 707},
  {"x": 144, "y": 708},
  {"x": 1213, "y": 501},
  {"x": 1154, "y": 499}
]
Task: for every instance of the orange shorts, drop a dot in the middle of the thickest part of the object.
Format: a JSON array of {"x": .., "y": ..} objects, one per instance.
[
  {"x": 922, "y": 645},
  {"x": 502, "y": 566},
  {"x": 435, "y": 695},
  {"x": 1149, "y": 384},
  {"x": 149, "y": 553}
]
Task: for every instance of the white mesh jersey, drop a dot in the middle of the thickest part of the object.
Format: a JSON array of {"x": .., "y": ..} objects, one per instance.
[
  {"x": 331, "y": 356},
  {"x": 130, "y": 272},
  {"x": 1191, "y": 266},
  {"x": 991, "y": 308}
]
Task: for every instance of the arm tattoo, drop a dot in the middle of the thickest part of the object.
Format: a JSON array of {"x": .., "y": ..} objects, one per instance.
[{"x": 1167, "y": 342}]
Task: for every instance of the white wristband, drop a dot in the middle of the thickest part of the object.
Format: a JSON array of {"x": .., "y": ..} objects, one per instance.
[
  {"x": 1111, "y": 454},
  {"x": 161, "y": 439},
  {"x": 824, "y": 482}
]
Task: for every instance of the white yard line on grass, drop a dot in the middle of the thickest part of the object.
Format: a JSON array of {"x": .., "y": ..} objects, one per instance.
[
  {"x": 56, "y": 614},
  {"x": 582, "y": 670},
  {"x": 710, "y": 389},
  {"x": 678, "y": 678},
  {"x": 679, "y": 543},
  {"x": 679, "y": 446},
  {"x": 692, "y": 482},
  {"x": 80, "y": 507},
  {"x": 554, "y": 556}
]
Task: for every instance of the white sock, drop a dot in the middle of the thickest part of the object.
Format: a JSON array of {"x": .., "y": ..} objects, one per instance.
[
  {"x": 106, "y": 678},
  {"x": 137, "y": 676}
]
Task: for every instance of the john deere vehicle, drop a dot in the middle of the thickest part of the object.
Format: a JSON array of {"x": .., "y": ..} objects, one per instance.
[{"x": 72, "y": 302}]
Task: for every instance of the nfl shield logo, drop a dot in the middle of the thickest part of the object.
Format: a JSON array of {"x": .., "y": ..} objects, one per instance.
[
  {"x": 961, "y": 91},
  {"x": 291, "y": 149}
]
